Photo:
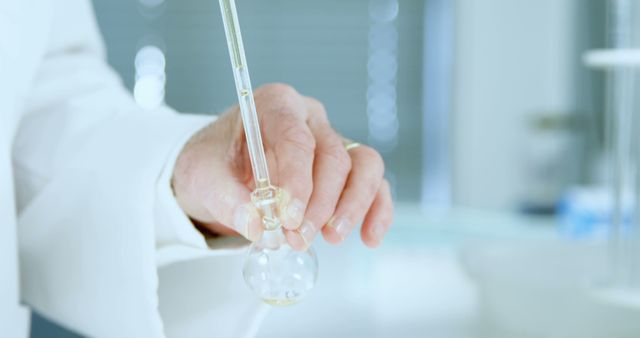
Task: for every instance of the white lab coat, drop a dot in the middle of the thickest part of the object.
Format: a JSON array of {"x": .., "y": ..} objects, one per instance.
[{"x": 85, "y": 198}]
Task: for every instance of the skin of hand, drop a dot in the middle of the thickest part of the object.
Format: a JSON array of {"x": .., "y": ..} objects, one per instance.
[{"x": 327, "y": 189}]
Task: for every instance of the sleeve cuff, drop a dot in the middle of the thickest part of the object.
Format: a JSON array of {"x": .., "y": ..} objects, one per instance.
[{"x": 177, "y": 239}]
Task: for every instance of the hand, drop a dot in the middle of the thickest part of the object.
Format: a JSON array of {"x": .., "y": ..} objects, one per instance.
[{"x": 328, "y": 189}]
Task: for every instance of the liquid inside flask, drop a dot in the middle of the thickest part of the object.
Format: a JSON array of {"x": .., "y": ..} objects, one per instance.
[{"x": 278, "y": 274}]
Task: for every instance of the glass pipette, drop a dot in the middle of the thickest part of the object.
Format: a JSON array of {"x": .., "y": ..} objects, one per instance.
[
  {"x": 265, "y": 193},
  {"x": 278, "y": 274}
]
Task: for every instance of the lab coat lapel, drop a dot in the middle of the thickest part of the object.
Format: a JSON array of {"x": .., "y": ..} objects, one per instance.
[{"x": 23, "y": 25}]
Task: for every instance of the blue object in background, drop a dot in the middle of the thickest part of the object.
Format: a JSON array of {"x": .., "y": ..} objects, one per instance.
[{"x": 586, "y": 212}]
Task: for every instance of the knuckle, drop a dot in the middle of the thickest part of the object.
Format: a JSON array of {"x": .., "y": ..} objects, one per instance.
[
  {"x": 341, "y": 162},
  {"x": 317, "y": 107},
  {"x": 280, "y": 90},
  {"x": 299, "y": 138},
  {"x": 283, "y": 100},
  {"x": 374, "y": 161}
]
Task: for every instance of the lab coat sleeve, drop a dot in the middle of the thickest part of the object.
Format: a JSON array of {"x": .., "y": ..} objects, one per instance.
[{"x": 104, "y": 248}]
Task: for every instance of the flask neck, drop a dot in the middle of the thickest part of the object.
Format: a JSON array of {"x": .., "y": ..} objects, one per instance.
[{"x": 273, "y": 239}]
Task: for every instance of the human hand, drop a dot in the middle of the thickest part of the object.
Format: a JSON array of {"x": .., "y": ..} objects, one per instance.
[{"x": 327, "y": 188}]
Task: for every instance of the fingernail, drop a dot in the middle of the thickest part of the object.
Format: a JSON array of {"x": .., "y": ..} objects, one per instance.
[
  {"x": 307, "y": 231},
  {"x": 242, "y": 219},
  {"x": 341, "y": 225},
  {"x": 294, "y": 212}
]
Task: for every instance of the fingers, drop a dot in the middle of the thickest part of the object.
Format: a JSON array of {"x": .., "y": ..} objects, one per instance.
[
  {"x": 331, "y": 168},
  {"x": 289, "y": 138},
  {"x": 379, "y": 217},
  {"x": 361, "y": 188}
]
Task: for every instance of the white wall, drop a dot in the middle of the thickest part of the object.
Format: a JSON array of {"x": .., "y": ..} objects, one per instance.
[{"x": 512, "y": 59}]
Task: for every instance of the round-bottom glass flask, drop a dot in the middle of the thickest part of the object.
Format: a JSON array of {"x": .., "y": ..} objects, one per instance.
[{"x": 278, "y": 274}]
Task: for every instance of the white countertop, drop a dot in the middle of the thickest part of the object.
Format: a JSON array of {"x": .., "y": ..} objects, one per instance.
[{"x": 413, "y": 286}]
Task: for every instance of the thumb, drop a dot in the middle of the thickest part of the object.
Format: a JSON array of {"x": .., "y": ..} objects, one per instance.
[
  {"x": 229, "y": 204},
  {"x": 215, "y": 199}
]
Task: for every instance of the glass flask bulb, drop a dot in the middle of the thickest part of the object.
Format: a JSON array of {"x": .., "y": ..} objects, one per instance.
[{"x": 274, "y": 271}]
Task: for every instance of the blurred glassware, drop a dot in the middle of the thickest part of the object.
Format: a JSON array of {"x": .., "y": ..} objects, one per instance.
[{"x": 621, "y": 62}]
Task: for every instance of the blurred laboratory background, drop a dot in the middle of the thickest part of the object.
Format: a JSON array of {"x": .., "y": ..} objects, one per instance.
[
  {"x": 500, "y": 123},
  {"x": 482, "y": 104}
]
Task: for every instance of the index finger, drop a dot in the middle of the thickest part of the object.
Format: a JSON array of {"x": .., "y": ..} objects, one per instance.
[{"x": 289, "y": 140}]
